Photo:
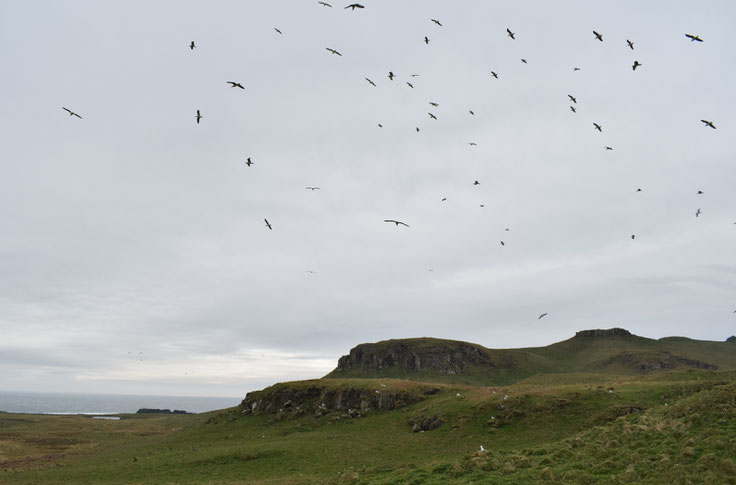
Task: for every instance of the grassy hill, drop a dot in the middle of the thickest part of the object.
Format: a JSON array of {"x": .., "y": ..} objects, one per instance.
[{"x": 673, "y": 425}]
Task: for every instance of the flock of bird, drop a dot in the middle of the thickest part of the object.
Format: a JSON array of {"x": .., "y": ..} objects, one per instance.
[{"x": 432, "y": 114}]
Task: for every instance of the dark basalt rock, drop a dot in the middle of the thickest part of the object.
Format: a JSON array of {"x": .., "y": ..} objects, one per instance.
[
  {"x": 654, "y": 361},
  {"x": 609, "y": 332}
]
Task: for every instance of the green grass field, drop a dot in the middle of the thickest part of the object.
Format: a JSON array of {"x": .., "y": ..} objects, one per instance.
[{"x": 670, "y": 427}]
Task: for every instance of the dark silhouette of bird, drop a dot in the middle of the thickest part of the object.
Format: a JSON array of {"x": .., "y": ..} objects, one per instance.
[
  {"x": 503, "y": 243},
  {"x": 443, "y": 199},
  {"x": 638, "y": 190},
  {"x": 333, "y": 51},
  {"x": 391, "y": 75},
  {"x": 494, "y": 74},
  {"x": 575, "y": 68},
  {"x": 598, "y": 127},
  {"x": 325, "y": 4},
  {"x": 312, "y": 188},
  {"x": 426, "y": 40},
  {"x": 707, "y": 123},
  {"x": 473, "y": 144},
  {"x": 233, "y": 84},
  {"x": 409, "y": 84},
  {"x": 572, "y": 108},
  {"x": 693, "y": 38},
  {"x": 636, "y": 64},
  {"x": 277, "y": 30},
  {"x": 609, "y": 148},
  {"x": 370, "y": 82},
  {"x": 414, "y": 75},
  {"x": 700, "y": 192},
  {"x": 598, "y": 36},
  {"x": 417, "y": 128},
  {"x": 471, "y": 112},
  {"x": 633, "y": 236},
  {"x": 572, "y": 98},
  {"x": 524, "y": 61},
  {"x": 192, "y": 46},
  {"x": 268, "y": 225},
  {"x": 631, "y": 44},
  {"x": 396, "y": 222},
  {"x": 436, "y": 21},
  {"x": 476, "y": 183},
  {"x": 248, "y": 162},
  {"x": 199, "y": 116},
  {"x": 510, "y": 34},
  {"x": 432, "y": 116},
  {"x": 542, "y": 315},
  {"x": 380, "y": 125},
  {"x": 698, "y": 212},
  {"x": 354, "y": 6},
  {"x": 434, "y": 104},
  {"x": 72, "y": 113}
]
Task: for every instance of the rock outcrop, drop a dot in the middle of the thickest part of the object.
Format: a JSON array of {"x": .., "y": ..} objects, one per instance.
[
  {"x": 653, "y": 361},
  {"x": 608, "y": 332}
]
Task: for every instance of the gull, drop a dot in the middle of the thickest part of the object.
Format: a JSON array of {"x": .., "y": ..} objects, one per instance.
[
  {"x": 312, "y": 188},
  {"x": 325, "y": 4},
  {"x": 391, "y": 75},
  {"x": 572, "y": 108},
  {"x": 481, "y": 448},
  {"x": 633, "y": 236},
  {"x": 510, "y": 34},
  {"x": 598, "y": 127},
  {"x": 524, "y": 61},
  {"x": 471, "y": 112},
  {"x": 268, "y": 225},
  {"x": 417, "y": 128},
  {"x": 192, "y": 46},
  {"x": 636, "y": 64},
  {"x": 609, "y": 148},
  {"x": 638, "y": 190},
  {"x": 631, "y": 44},
  {"x": 354, "y": 6},
  {"x": 473, "y": 144},
  {"x": 707, "y": 123},
  {"x": 380, "y": 125},
  {"x": 199, "y": 116},
  {"x": 694, "y": 38},
  {"x": 333, "y": 51},
  {"x": 248, "y": 162},
  {"x": 494, "y": 74},
  {"x": 572, "y": 98},
  {"x": 426, "y": 40},
  {"x": 575, "y": 68},
  {"x": 434, "y": 104},
  {"x": 409, "y": 84},
  {"x": 370, "y": 82},
  {"x": 414, "y": 75},
  {"x": 233, "y": 84},
  {"x": 436, "y": 21},
  {"x": 698, "y": 212},
  {"x": 476, "y": 183},
  {"x": 277, "y": 30},
  {"x": 598, "y": 36},
  {"x": 72, "y": 113},
  {"x": 311, "y": 272},
  {"x": 396, "y": 222},
  {"x": 542, "y": 315},
  {"x": 700, "y": 192},
  {"x": 443, "y": 199},
  {"x": 432, "y": 116},
  {"x": 503, "y": 243}
]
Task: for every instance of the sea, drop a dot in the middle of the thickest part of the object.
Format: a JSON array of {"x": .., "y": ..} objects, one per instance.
[{"x": 97, "y": 404}]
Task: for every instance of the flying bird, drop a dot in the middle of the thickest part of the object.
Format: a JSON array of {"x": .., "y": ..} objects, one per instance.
[
  {"x": 443, "y": 199},
  {"x": 476, "y": 183},
  {"x": 572, "y": 108},
  {"x": 432, "y": 116},
  {"x": 354, "y": 6},
  {"x": 510, "y": 34},
  {"x": 312, "y": 188},
  {"x": 248, "y": 162},
  {"x": 199, "y": 116},
  {"x": 698, "y": 212},
  {"x": 380, "y": 125},
  {"x": 631, "y": 44},
  {"x": 633, "y": 236},
  {"x": 277, "y": 30},
  {"x": 391, "y": 75},
  {"x": 598, "y": 36},
  {"x": 638, "y": 190},
  {"x": 192, "y": 46},
  {"x": 471, "y": 112},
  {"x": 436, "y": 21},
  {"x": 524, "y": 61},
  {"x": 72, "y": 113},
  {"x": 434, "y": 104},
  {"x": 572, "y": 98},
  {"x": 693, "y": 38},
  {"x": 494, "y": 74},
  {"x": 426, "y": 40},
  {"x": 414, "y": 75},
  {"x": 598, "y": 127},
  {"x": 396, "y": 222},
  {"x": 370, "y": 82},
  {"x": 333, "y": 51},
  {"x": 700, "y": 192},
  {"x": 409, "y": 84},
  {"x": 609, "y": 148},
  {"x": 575, "y": 68},
  {"x": 233, "y": 84},
  {"x": 325, "y": 4},
  {"x": 473, "y": 144},
  {"x": 542, "y": 315},
  {"x": 707, "y": 123},
  {"x": 503, "y": 243},
  {"x": 268, "y": 225},
  {"x": 636, "y": 64}
]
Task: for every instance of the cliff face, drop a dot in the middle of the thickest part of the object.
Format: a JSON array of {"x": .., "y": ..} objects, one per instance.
[{"x": 415, "y": 355}]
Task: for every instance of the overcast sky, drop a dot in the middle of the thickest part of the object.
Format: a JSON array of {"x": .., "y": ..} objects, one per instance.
[{"x": 134, "y": 256}]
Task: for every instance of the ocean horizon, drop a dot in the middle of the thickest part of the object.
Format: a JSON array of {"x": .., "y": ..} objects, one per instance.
[{"x": 99, "y": 404}]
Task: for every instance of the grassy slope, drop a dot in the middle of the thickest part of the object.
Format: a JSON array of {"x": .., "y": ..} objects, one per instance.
[{"x": 553, "y": 428}]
